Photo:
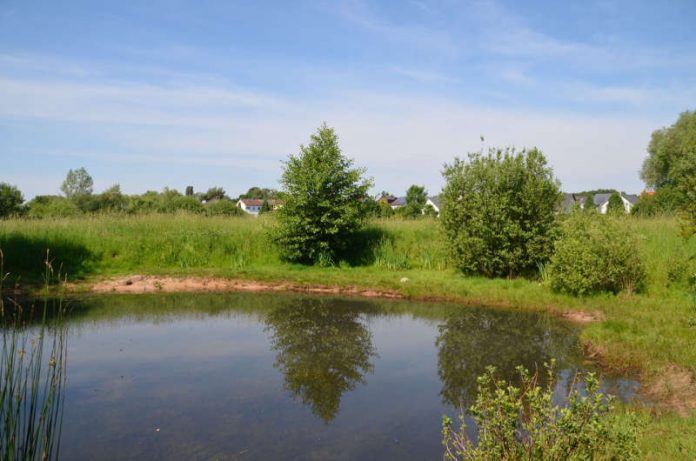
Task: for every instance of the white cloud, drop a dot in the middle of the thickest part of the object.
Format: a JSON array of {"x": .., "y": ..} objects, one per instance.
[{"x": 402, "y": 139}]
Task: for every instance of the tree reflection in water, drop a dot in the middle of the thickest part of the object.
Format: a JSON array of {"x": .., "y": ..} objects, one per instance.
[
  {"x": 472, "y": 339},
  {"x": 323, "y": 350}
]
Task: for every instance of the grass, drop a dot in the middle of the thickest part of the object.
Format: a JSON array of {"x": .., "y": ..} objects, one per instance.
[{"x": 651, "y": 332}]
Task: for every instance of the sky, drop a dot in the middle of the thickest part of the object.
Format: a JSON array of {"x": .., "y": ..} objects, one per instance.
[{"x": 148, "y": 94}]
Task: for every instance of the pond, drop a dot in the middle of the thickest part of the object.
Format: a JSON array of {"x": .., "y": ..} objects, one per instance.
[{"x": 288, "y": 377}]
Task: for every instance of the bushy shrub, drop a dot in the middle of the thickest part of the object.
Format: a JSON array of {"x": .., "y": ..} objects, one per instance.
[
  {"x": 51, "y": 206},
  {"x": 498, "y": 212},
  {"x": 523, "y": 423},
  {"x": 11, "y": 200},
  {"x": 224, "y": 207},
  {"x": 594, "y": 255}
]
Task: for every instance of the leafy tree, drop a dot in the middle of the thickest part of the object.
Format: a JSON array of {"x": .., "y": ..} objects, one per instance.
[
  {"x": 324, "y": 202},
  {"x": 671, "y": 153},
  {"x": 672, "y": 161},
  {"x": 111, "y": 200},
  {"x": 77, "y": 183},
  {"x": 44, "y": 206},
  {"x": 590, "y": 206},
  {"x": 416, "y": 197},
  {"x": 189, "y": 191},
  {"x": 265, "y": 207},
  {"x": 615, "y": 205},
  {"x": 260, "y": 193},
  {"x": 11, "y": 200},
  {"x": 214, "y": 193},
  {"x": 666, "y": 200},
  {"x": 498, "y": 211}
]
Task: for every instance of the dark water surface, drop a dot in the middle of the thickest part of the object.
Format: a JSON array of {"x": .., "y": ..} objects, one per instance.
[{"x": 287, "y": 377}]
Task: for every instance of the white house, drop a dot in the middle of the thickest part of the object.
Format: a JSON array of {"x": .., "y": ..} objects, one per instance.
[
  {"x": 253, "y": 205},
  {"x": 601, "y": 202}
]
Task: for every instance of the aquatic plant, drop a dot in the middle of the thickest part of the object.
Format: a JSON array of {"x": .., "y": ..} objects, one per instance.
[
  {"x": 524, "y": 423},
  {"x": 32, "y": 378}
]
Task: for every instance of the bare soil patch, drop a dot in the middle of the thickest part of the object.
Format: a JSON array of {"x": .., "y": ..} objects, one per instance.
[{"x": 154, "y": 284}]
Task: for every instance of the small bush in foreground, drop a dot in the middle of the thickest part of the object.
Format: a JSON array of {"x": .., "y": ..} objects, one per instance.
[
  {"x": 594, "y": 255},
  {"x": 524, "y": 424},
  {"x": 498, "y": 212}
]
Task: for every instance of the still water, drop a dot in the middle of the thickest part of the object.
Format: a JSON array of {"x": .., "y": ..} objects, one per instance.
[{"x": 287, "y": 377}]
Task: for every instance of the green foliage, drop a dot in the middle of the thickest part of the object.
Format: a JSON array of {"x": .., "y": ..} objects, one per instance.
[
  {"x": 32, "y": 376},
  {"x": 416, "y": 197},
  {"x": 224, "y": 207},
  {"x": 595, "y": 254},
  {"x": 324, "y": 202},
  {"x": 11, "y": 200},
  {"x": 672, "y": 161},
  {"x": 615, "y": 205},
  {"x": 77, "y": 183},
  {"x": 498, "y": 211},
  {"x": 214, "y": 193},
  {"x": 189, "y": 191},
  {"x": 667, "y": 200},
  {"x": 590, "y": 206},
  {"x": 523, "y": 423},
  {"x": 265, "y": 207},
  {"x": 672, "y": 153},
  {"x": 44, "y": 206},
  {"x": 109, "y": 201},
  {"x": 260, "y": 193}
]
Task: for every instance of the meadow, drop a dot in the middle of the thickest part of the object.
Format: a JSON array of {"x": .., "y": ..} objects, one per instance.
[{"x": 651, "y": 334}]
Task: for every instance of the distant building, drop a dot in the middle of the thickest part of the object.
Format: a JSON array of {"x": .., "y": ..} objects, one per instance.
[
  {"x": 253, "y": 205},
  {"x": 601, "y": 202}
]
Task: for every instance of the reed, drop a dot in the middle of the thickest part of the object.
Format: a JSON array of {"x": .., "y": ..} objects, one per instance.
[{"x": 32, "y": 378}]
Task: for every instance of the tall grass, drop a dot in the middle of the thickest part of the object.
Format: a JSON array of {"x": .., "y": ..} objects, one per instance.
[{"x": 32, "y": 381}]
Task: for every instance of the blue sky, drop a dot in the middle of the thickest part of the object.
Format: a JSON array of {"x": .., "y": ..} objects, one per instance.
[{"x": 218, "y": 93}]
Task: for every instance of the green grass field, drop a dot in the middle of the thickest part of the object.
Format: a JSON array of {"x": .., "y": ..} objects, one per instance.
[{"x": 648, "y": 332}]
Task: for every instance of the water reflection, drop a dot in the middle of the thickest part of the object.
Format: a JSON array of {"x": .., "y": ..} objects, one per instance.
[
  {"x": 323, "y": 350},
  {"x": 471, "y": 339}
]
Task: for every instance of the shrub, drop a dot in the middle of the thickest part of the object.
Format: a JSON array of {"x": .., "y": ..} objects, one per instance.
[
  {"x": 224, "y": 207},
  {"x": 615, "y": 205},
  {"x": 324, "y": 202},
  {"x": 524, "y": 423},
  {"x": 51, "y": 206},
  {"x": 498, "y": 212},
  {"x": 11, "y": 200},
  {"x": 595, "y": 255}
]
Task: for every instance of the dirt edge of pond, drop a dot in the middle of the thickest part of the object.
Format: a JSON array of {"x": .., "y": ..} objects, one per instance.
[{"x": 673, "y": 389}]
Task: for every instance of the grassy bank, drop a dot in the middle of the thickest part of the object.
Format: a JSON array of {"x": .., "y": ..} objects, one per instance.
[{"x": 649, "y": 332}]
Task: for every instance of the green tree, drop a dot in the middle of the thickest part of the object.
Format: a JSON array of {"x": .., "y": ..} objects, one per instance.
[
  {"x": 615, "y": 205},
  {"x": 265, "y": 207},
  {"x": 672, "y": 161},
  {"x": 590, "y": 206},
  {"x": 671, "y": 153},
  {"x": 416, "y": 197},
  {"x": 11, "y": 200},
  {"x": 324, "y": 202},
  {"x": 77, "y": 183},
  {"x": 189, "y": 191},
  {"x": 498, "y": 211},
  {"x": 259, "y": 193},
  {"x": 214, "y": 193}
]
